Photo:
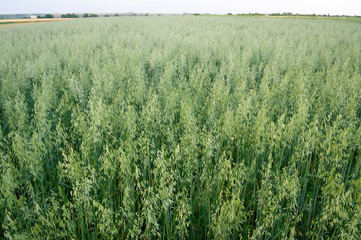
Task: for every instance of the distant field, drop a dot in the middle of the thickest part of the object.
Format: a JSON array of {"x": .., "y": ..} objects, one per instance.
[
  {"x": 14, "y": 22},
  {"x": 33, "y": 20},
  {"x": 181, "y": 128},
  {"x": 4, "y": 25}
]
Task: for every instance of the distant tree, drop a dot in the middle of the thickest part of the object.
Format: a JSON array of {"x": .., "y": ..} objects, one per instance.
[
  {"x": 116, "y": 15},
  {"x": 69, "y": 15},
  {"x": 197, "y": 14},
  {"x": 46, "y": 16},
  {"x": 107, "y": 15},
  {"x": 86, "y": 15},
  {"x": 229, "y": 14}
]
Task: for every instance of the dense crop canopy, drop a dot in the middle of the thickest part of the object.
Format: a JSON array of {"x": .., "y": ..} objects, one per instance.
[{"x": 181, "y": 128}]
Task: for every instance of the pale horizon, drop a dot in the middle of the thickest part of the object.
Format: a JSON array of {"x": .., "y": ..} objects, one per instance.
[{"x": 347, "y": 7}]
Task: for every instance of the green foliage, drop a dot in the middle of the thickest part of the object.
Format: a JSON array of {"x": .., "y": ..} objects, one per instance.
[
  {"x": 86, "y": 15},
  {"x": 181, "y": 128},
  {"x": 69, "y": 15},
  {"x": 47, "y": 16}
]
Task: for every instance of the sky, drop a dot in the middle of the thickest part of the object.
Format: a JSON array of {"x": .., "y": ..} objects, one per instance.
[{"x": 333, "y": 7}]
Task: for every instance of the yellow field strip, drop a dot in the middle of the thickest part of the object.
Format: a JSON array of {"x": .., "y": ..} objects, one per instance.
[
  {"x": 16, "y": 22},
  {"x": 32, "y": 20}
]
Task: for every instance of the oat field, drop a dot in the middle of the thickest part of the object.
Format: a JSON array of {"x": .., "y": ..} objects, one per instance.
[{"x": 181, "y": 128}]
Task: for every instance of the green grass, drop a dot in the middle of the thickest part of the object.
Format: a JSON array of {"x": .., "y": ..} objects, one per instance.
[
  {"x": 7, "y": 22},
  {"x": 181, "y": 128}
]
